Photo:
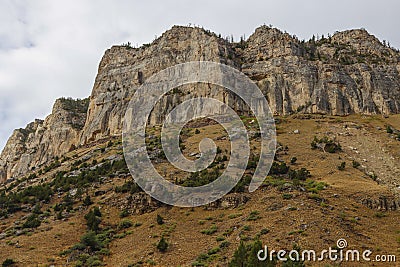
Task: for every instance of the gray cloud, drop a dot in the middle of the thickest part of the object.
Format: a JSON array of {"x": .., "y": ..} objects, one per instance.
[{"x": 50, "y": 49}]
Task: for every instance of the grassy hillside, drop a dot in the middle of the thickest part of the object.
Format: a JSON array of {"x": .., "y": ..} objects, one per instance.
[{"x": 84, "y": 208}]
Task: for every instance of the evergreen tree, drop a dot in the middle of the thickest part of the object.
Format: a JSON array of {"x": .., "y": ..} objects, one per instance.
[
  {"x": 97, "y": 211},
  {"x": 92, "y": 221},
  {"x": 240, "y": 256},
  {"x": 252, "y": 257},
  {"x": 87, "y": 201}
]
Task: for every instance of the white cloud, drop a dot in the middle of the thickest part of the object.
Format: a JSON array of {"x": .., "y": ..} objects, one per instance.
[{"x": 50, "y": 49}]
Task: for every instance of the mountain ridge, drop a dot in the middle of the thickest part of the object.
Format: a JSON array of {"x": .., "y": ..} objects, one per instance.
[{"x": 346, "y": 73}]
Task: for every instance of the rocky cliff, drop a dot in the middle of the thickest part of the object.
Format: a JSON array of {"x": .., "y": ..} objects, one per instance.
[
  {"x": 349, "y": 72},
  {"x": 42, "y": 141}
]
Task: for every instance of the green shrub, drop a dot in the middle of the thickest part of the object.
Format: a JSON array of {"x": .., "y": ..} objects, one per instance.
[
  {"x": 201, "y": 178},
  {"x": 314, "y": 186},
  {"x": 214, "y": 251},
  {"x": 124, "y": 213},
  {"x": 254, "y": 216},
  {"x": 8, "y": 262},
  {"x": 287, "y": 196},
  {"x": 241, "y": 185},
  {"x": 380, "y": 215},
  {"x": 234, "y": 215},
  {"x": 160, "y": 220},
  {"x": 278, "y": 168},
  {"x": 32, "y": 221},
  {"x": 210, "y": 230},
  {"x": 224, "y": 244},
  {"x": 96, "y": 211},
  {"x": 36, "y": 209},
  {"x": 342, "y": 166},
  {"x": 137, "y": 224},
  {"x": 356, "y": 164},
  {"x": 246, "y": 228},
  {"x": 264, "y": 231},
  {"x": 162, "y": 245},
  {"x": 93, "y": 261},
  {"x": 301, "y": 174},
  {"x": 87, "y": 201},
  {"x": 91, "y": 240},
  {"x": 128, "y": 187},
  {"x": 328, "y": 145},
  {"x": 124, "y": 224},
  {"x": 220, "y": 238}
]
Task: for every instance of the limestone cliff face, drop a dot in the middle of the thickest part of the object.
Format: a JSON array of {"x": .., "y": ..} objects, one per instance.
[
  {"x": 42, "y": 141},
  {"x": 349, "y": 72},
  {"x": 123, "y": 69}
]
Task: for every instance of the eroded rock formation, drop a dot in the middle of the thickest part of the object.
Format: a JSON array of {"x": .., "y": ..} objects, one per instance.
[{"x": 349, "y": 72}]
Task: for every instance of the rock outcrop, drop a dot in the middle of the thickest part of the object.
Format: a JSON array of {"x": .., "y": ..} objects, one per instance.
[
  {"x": 349, "y": 72},
  {"x": 123, "y": 69},
  {"x": 42, "y": 141}
]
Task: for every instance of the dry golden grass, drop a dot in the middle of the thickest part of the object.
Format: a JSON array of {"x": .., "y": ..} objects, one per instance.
[{"x": 300, "y": 220}]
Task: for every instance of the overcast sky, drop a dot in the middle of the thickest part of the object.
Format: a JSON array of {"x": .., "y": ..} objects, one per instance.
[{"x": 50, "y": 49}]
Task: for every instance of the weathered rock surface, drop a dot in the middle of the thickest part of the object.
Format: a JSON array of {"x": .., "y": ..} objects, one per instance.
[
  {"x": 349, "y": 72},
  {"x": 42, "y": 141},
  {"x": 383, "y": 203},
  {"x": 123, "y": 69}
]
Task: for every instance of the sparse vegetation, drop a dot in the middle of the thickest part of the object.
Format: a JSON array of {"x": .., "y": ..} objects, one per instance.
[
  {"x": 93, "y": 219},
  {"x": 124, "y": 213},
  {"x": 287, "y": 196},
  {"x": 87, "y": 201},
  {"x": 128, "y": 187},
  {"x": 326, "y": 144},
  {"x": 356, "y": 164},
  {"x": 301, "y": 174},
  {"x": 124, "y": 224},
  {"x": 285, "y": 191},
  {"x": 162, "y": 245},
  {"x": 380, "y": 215},
  {"x": 246, "y": 255},
  {"x": 278, "y": 168},
  {"x": 8, "y": 262},
  {"x": 254, "y": 216},
  {"x": 160, "y": 220},
  {"x": 32, "y": 221},
  {"x": 213, "y": 229},
  {"x": 201, "y": 178},
  {"x": 342, "y": 166}
]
